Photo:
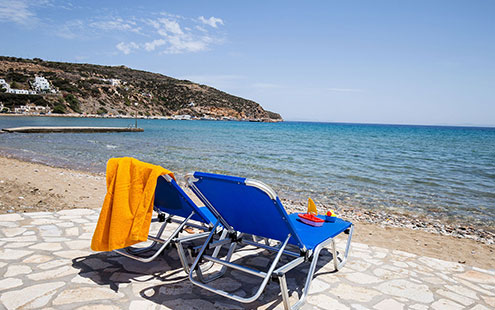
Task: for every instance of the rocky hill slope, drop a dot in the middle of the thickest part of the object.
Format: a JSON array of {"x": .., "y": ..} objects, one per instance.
[{"x": 115, "y": 90}]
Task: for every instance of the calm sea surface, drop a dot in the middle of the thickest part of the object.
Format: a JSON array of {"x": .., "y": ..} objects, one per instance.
[{"x": 445, "y": 171}]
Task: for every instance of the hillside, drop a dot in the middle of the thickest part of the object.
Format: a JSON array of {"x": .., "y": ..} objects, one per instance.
[{"x": 113, "y": 90}]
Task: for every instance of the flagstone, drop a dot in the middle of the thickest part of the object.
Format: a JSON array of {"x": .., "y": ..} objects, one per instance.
[
  {"x": 445, "y": 304},
  {"x": 489, "y": 301},
  {"x": 362, "y": 278},
  {"x": 419, "y": 307},
  {"x": 37, "y": 259},
  {"x": 72, "y": 253},
  {"x": 14, "y": 270},
  {"x": 142, "y": 305},
  {"x": 53, "y": 264},
  {"x": 441, "y": 265},
  {"x": 459, "y": 289},
  {"x": 479, "y": 307},
  {"x": 14, "y": 217},
  {"x": 477, "y": 277},
  {"x": 455, "y": 297},
  {"x": 407, "y": 289},
  {"x": 44, "y": 221},
  {"x": 351, "y": 292},
  {"x": 56, "y": 239},
  {"x": 10, "y": 254},
  {"x": 24, "y": 297},
  {"x": 50, "y": 231},
  {"x": 8, "y": 283},
  {"x": 52, "y": 274},
  {"x": 65, "y": 224},
  {"x": 20, "y": 239},
  {"x": 73, "y": 231},
  {"x": 75, "y": 212},
  {"x": 47, "y": 246},
  {"x": 12, "y": 232},
  {"x": 388, "y": 304},
  {"x": 85, "y": 294},
  {"x": 317, "y": 286},
  {"x": 78, "y": 244},
  {"x": 16, "y": 245},
  {"x": 327, "y": 302},
  {"x": 100, "y": 307}
]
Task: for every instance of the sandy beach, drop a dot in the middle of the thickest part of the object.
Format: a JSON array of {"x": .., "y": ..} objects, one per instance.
[{"x": 33, "y": 187}]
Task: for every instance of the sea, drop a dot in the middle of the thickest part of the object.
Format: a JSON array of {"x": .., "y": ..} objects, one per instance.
[{"x": 444, "y": 172}]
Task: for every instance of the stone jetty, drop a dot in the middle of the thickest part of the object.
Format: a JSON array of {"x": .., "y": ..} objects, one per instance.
[{"x": 71, "y": 129}]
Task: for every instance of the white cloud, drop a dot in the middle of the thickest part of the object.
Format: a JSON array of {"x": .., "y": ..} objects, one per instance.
[
  {"x": 70, "y": 30},
  {"x": 212, "y": 21},
  {"x": 127, "y": 48},
  {"x": 345, "y": 90},
  {"x": 118, "y": 24},
  {"x": 151, "y": 46},
  {"x": 170, "y": 26},
  {"x": 17, "y": 11}
]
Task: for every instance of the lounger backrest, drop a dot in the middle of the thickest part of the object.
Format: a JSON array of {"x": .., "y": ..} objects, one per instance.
[
  {"x": 248, "y": 206},
  {"x": 171, "y": 199}
]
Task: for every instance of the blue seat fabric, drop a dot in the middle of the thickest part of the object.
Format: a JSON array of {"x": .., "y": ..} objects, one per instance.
[
  {"x": 312, "y": 236},
  {"x": 171, "y": 199},
  {"x": 250, "y": 210}
]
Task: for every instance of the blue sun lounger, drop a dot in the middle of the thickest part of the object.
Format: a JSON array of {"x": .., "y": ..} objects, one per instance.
[
  {"x": 173, "y": 205},
  {"x": 245, "y": 206}
]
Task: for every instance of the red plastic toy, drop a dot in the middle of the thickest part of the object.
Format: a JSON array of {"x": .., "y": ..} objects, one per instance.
[{"x": 311, "y": 219}]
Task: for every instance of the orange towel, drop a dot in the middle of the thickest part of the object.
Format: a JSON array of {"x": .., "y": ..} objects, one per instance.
[{"x": 125, "y": 216}]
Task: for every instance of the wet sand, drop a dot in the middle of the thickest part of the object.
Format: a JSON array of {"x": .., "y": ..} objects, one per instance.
[{"x": 33, "y": 187}]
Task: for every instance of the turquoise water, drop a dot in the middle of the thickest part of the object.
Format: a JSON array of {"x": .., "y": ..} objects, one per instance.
[{"x": 448, "y": 172}]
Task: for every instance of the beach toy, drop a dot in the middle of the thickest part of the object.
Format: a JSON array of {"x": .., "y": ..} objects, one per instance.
[
  {"x": 312, "y": 207},
  {"x": 331, "y": 216},
  {"x": 310, "y": 217}
]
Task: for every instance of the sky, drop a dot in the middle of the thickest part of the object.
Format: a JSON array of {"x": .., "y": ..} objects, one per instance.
[{"x": 394, "y": 62}]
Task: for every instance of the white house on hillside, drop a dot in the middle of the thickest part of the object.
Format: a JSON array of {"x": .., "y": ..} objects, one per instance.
[
  {"x": 19, "y": 91},
  {"x": 4, "y": 84},
  {"x": 41, "y": 84}
]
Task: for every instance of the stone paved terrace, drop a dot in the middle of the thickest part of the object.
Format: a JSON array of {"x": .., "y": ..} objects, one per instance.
[{"x": 46, "y": 263}]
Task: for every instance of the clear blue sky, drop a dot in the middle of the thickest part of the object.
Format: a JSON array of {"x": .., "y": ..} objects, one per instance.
[{"x": 405, "y": 62}]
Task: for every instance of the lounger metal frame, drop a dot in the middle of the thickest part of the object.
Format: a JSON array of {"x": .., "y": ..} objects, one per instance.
[
  {"x": 236, "y": 238},
  {"x": 133, "y": 252}
]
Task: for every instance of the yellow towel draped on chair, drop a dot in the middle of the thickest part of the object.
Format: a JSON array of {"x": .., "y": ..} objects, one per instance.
[{"x": 126, "y": 213}]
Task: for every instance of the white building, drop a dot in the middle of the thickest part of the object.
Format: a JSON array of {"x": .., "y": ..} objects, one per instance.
[
  {"x": 41, "y": 84},
  {"x": 113, "y": 82},
  {"x": 18, "y": 91},
  {"x": 4, "y": 84}
]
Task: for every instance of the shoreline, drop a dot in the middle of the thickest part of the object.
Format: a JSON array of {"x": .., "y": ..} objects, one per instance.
[{"x": 34, "y": 187}]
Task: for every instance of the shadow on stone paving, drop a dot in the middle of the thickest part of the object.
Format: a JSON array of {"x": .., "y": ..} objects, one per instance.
[
  {"x": 163, "y": 280},
  {"x": 112, "y": 269},
  {"x": 183, "y": 294}
]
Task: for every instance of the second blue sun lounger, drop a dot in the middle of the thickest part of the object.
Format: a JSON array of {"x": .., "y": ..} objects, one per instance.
[
  {"x": 245, "y": 206},
  {"x": 173, "y": 205}
]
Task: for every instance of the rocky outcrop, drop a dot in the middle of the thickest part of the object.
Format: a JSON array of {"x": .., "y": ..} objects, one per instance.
[{"x": 118, "y": 90}]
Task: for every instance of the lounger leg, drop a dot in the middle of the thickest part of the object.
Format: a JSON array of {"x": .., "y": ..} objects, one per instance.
[
  {"x": 182, "y": 253},
  {"x": 160, "y": 250},
  {"x": 158, "y": 236},
  {"x": 312, "y": 267},
  {"x": 285, "y": 291},
  {"x": 339, "y": 265},
  {"x": 267, "y": 275}
]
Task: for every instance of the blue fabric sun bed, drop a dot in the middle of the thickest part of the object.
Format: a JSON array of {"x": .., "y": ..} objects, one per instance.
[
  {"x": 245, "y": 206},
  {"x": 172, "y": 204}
]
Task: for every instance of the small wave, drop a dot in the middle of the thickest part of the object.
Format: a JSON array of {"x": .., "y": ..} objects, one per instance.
[{"x": 109, "y": 146}]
